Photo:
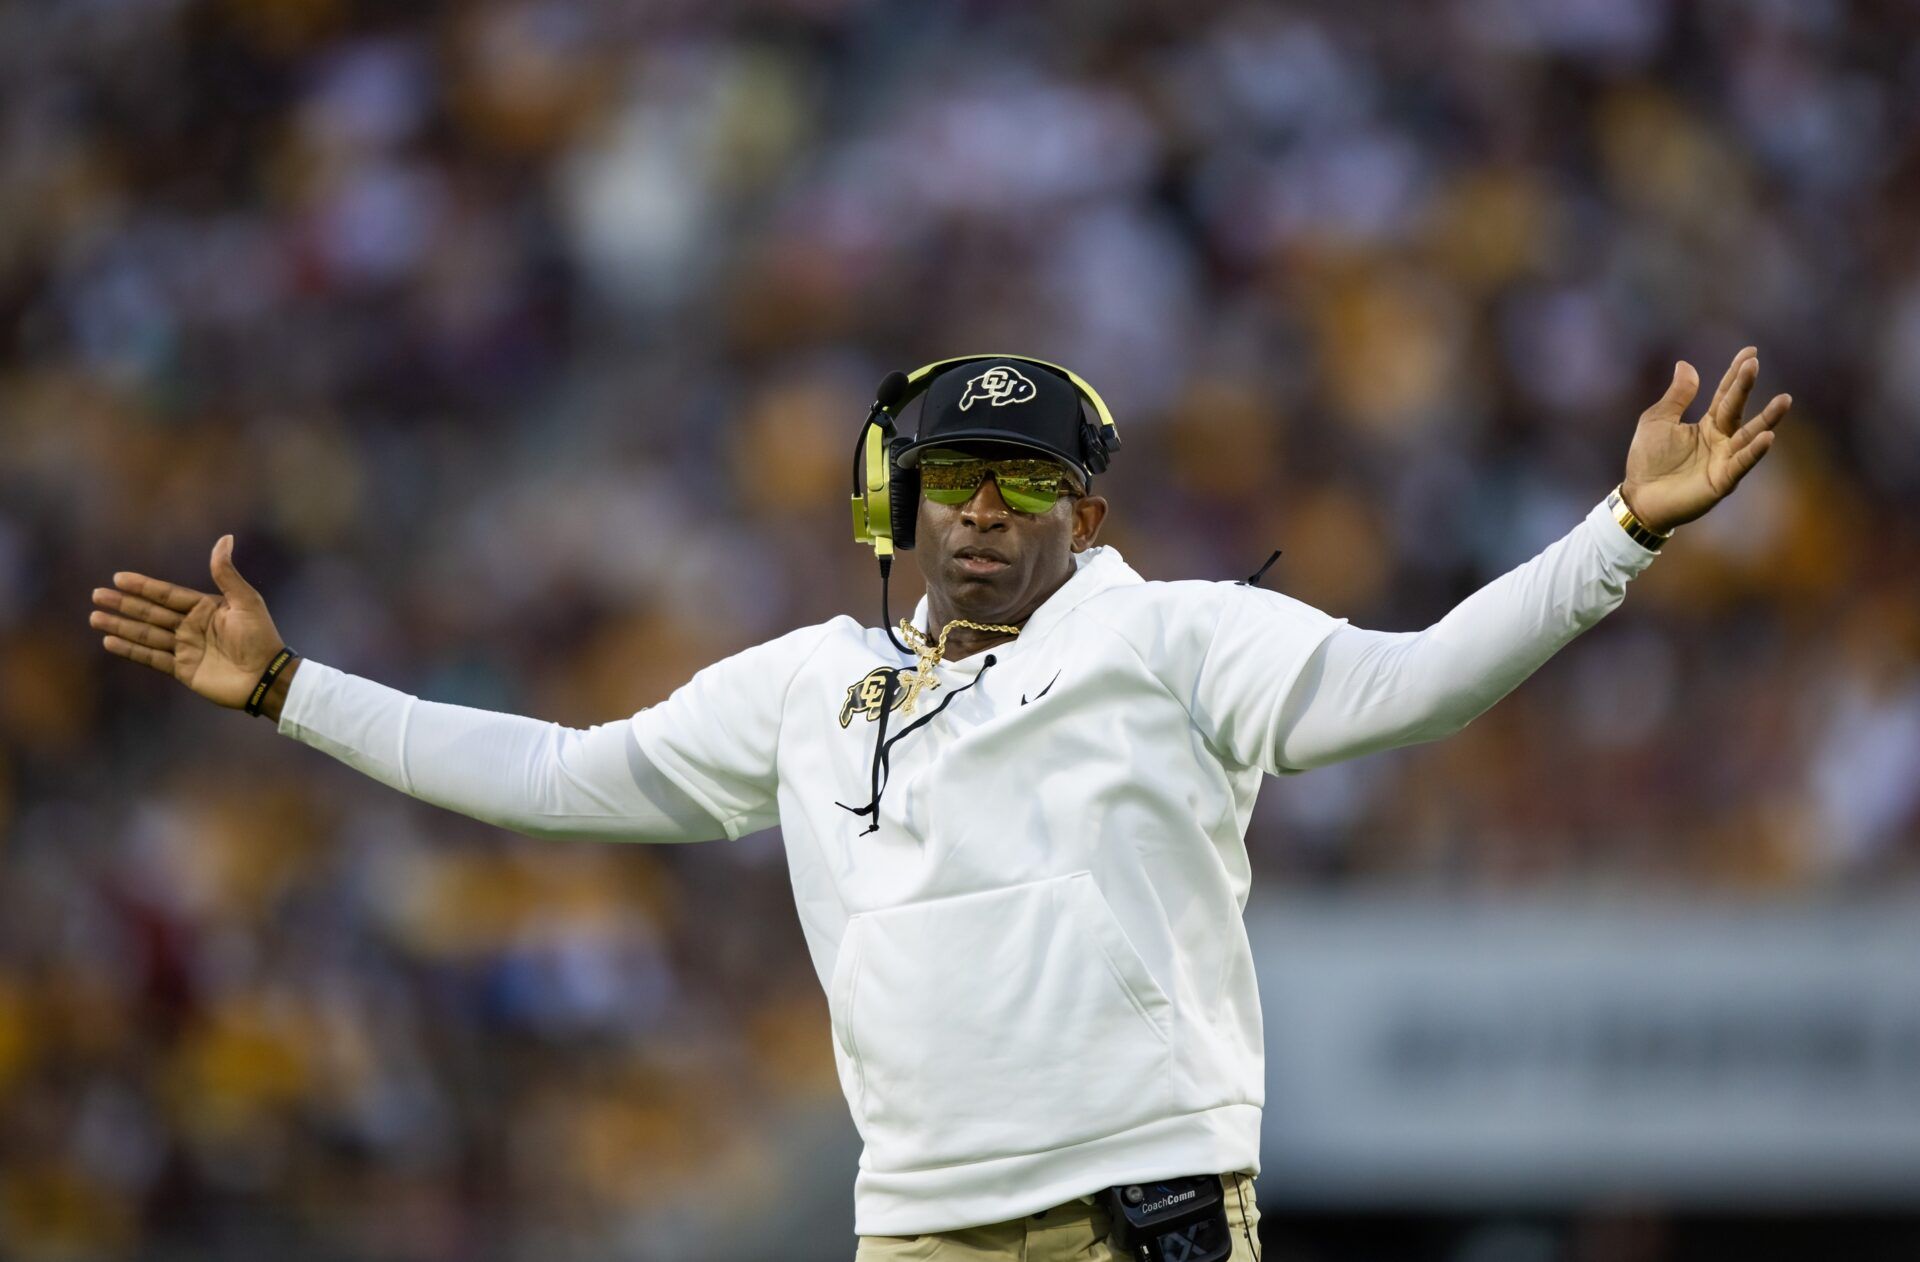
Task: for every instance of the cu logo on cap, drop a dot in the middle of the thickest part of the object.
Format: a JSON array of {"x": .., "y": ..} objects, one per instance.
[{"x": 998, "y": 386}]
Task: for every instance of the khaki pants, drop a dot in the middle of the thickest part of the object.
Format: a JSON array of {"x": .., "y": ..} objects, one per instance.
[{"x": 1074, "y": 1232}]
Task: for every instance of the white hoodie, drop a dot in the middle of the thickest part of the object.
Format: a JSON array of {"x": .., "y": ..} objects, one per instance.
[{"x": 1034, "y": 959}]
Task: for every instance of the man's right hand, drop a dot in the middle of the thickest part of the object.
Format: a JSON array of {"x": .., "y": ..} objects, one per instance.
[{"x": 217, "y": 645}]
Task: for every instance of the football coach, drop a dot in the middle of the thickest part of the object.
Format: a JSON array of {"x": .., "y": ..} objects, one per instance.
[{"x": 1016, "y": 827}]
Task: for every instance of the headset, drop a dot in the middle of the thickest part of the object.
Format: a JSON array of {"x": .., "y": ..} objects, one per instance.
[{"x": 886, "y": 496}]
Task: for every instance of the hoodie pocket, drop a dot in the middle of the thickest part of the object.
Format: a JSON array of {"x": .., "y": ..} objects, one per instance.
[{"x": 987, "y": 1025}]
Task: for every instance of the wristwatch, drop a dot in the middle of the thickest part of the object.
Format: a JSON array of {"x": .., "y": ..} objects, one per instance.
[{"x": 1637, "y": 530}]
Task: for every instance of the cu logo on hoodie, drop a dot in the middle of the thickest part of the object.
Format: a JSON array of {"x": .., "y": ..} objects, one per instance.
[
  {"x": 998, "y": 386},
  {"x": 866, "y": 695}
]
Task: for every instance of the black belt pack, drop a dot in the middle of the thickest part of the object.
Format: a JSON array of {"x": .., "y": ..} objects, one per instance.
[{"x": 1172, "y": 1220}]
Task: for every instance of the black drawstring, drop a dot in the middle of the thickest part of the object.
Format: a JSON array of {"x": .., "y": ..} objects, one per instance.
[
  {"x": 879, "y": 751},
  {"x": 883, "y": 748},
  {"x": 1253, "y": 580}
]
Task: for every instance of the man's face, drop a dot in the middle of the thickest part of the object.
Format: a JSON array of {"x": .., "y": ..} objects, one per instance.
[{"x": 989, "y": 562}]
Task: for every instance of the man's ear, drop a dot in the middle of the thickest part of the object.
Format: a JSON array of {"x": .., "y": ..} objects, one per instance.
[{"x": 1088, "y": 512}]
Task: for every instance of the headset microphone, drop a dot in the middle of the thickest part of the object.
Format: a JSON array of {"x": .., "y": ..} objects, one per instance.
[{"x": 892, "y": 392}]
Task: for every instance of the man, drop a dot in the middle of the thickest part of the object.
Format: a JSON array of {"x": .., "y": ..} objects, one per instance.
[{"x": 1017, "y": 849}]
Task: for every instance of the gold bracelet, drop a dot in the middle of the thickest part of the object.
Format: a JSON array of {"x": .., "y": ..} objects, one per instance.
[{"x": 1638, "y": 531}]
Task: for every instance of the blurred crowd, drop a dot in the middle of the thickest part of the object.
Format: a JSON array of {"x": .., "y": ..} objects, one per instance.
[{"x": 521, "y": 344}]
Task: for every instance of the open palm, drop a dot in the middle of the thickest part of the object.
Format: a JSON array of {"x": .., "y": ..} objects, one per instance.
[
  {"x": 215, "y": 644},
  {"x": 1677, "y": 471}
]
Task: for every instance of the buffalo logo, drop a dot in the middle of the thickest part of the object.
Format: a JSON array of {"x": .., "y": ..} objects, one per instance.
[
  {"x": 865, "y": 697},
  {"x": 998, "y": 386}
]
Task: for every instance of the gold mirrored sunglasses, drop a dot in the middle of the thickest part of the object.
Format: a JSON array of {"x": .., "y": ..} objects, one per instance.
[{"x": 1029, "y": 485}]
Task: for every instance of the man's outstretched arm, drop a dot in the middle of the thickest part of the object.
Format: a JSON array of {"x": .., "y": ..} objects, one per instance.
[
  {"x": 1369, "y": 690},
  {"x": 1364, "y": 691},
  {"x": 519, "y": 773},
  {"x": 532, "y": 776}
]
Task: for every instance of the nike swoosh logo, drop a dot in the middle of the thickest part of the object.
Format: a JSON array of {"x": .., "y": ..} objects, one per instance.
[{"x": 1043, "y": 692}]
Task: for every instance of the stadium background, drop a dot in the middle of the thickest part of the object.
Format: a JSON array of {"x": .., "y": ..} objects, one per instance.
[{"x": 521, "y": 345}]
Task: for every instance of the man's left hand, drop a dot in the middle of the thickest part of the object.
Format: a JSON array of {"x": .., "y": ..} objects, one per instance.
[{"x": 1677, "y": 471}]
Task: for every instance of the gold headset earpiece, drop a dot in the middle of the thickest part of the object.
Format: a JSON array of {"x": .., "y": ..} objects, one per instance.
[
  {"x": 873, "y": 515},
  {"x": 886, "y": 496}
]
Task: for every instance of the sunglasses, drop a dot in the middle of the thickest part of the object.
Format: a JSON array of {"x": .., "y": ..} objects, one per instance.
[{"x": 1031, "y": 486}]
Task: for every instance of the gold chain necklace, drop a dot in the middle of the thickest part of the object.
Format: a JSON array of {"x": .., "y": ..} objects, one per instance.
[{"x": 929, "y": 654}]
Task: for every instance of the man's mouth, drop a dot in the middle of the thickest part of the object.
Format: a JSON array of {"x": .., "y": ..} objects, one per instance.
[{"x": 981, "y": 560}]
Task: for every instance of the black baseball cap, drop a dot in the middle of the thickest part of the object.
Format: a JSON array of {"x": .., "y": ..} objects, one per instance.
[{"x": 1005, "y": 403}]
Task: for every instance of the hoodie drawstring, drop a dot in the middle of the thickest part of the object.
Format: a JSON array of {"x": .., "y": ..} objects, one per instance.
[
  {"x": 1253, "y": 579},
  {"x": 883, "y": 748}
]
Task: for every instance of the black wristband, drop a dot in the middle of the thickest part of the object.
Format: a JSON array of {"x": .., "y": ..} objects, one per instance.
[{"x": 260, "y": 690}]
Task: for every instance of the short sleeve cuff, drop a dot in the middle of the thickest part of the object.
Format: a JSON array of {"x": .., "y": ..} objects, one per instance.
[{"x": 1614, "y": 542}]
